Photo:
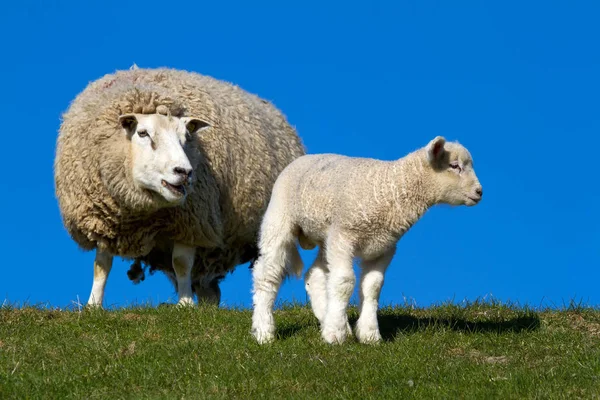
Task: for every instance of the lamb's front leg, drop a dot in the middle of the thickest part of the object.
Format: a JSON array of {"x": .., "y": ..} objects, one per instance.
[
  {"x": 340, "y": 285},
  {"x": 102, "y": 267},
  {"x": 367, "y": 328},
  {"x": 183, "y": 260}
]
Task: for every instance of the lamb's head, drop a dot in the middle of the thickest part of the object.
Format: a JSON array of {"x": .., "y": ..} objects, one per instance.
[
  {"x": 454, "y": 178},
  {"x": 159, "y": 163}
]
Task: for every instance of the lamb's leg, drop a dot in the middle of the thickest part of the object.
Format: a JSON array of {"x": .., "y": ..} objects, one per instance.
[
  {"x": 102, "y": 267},
  {"x": 340, "y": 285},
  {"x": 277, "y": 251},
  {"x": 367, "y": 328},
  {"x": 183, "y": 260},
  {"x": 316, "y": 286},
  {"x": 268, "y": 272}
]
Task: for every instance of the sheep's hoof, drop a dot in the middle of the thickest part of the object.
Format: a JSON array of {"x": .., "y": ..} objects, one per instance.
[
  {"x": 335, "y": 336},
  {"x": 185, "y": 302},
  {"x": 263, "y": 336}
]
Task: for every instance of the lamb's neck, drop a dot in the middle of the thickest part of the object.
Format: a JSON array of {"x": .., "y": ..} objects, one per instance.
[{"x": 412, "y": 193}]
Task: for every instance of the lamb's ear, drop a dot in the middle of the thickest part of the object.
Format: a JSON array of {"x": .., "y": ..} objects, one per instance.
[
  {"x": 195, "y": 125},
  {"x": 128, "y": 122},
  {"x": 435, "y": 149}
]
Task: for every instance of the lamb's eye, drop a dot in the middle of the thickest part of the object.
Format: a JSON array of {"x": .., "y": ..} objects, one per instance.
[
  {"x": 454, "y": 165},
  {"x": 142, "y": 133}
]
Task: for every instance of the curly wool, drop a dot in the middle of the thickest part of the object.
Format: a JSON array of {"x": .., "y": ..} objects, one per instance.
[{"x": 236, "y": 162}]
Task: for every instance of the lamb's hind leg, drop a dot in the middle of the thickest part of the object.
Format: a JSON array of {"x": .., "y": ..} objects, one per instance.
[
  {"x": 367, "y": 328},
  {"x": 340, "y": 284},
  {"x": 183, "y": 260},
  {"x": 277, "y": 252},
  {"x": 102, "y": 267}
]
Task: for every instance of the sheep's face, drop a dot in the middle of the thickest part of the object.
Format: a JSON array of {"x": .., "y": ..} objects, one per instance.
[
  {"x": 159, "y": 163},
  {"x": 454, "y": 176}
]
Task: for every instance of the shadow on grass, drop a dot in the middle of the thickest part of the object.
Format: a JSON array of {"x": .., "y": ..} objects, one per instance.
[
  {"x": 391, "y": 325},
  {"x": 288, "y": 331}
]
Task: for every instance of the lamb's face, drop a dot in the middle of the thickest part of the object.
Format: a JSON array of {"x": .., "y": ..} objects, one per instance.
[
  {"x": 159, "y": 163},
  {"x": 454, "y": 176}
]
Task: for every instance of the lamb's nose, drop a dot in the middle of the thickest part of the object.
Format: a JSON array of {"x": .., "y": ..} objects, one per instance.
[
  {"x": 187, "y": 172},
  {"x": 479, "y": 191}
]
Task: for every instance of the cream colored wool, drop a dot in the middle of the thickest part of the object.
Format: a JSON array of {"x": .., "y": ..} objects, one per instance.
[
  {"x": 350, "y": 208},
  {"x": 236, "y": 161}
]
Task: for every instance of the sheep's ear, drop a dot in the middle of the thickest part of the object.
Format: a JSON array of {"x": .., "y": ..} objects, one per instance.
[
  {"x": 128, "y": 122},
  {"x": 195, "y": 125},
  {"x": 435, "y": 149}
]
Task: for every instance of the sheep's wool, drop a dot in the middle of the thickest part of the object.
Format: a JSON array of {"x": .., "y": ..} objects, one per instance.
[{"x": 236, "y": 162}]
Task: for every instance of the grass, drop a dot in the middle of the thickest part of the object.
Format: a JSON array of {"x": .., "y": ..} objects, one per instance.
[{"x": 480, "y": 350}]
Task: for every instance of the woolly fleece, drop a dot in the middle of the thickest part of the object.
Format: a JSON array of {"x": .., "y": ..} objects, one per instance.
[{"x": 236, "y": 162}]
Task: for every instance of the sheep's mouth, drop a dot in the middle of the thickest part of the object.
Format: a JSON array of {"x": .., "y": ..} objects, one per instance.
[{"x": 178, "y": 190}]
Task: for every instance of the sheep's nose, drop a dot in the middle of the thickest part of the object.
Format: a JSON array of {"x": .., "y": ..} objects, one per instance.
[
  {"x": 479, "y": 191},
  {"x": 186, "y": 172}
]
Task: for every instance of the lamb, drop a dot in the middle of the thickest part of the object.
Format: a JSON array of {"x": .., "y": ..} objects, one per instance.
[
  {"x": 155, "y": 163},
  {"x": 350, "y": 207}
]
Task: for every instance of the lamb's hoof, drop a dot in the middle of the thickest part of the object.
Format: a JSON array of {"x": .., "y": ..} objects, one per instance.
[
  {"x": 334, "y": 336},
  {"x": 368, "y": 335},
  {"x": 263, "y": 336}
]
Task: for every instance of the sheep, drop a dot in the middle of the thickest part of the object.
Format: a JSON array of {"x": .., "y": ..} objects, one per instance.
[
  {"x": 162, "y": 162},
  {"x": 350, "y": 207}
]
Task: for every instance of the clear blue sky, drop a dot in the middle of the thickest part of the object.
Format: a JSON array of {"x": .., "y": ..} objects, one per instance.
[{"x": 518, "y": 83}]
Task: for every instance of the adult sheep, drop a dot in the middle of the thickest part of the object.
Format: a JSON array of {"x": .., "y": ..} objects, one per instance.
[
  {"x": 155, "y": 162},
  {"x": 351, "y": 207}
]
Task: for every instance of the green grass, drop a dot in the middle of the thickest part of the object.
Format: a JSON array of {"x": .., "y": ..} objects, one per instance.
[{"x": 481, "y": 350}]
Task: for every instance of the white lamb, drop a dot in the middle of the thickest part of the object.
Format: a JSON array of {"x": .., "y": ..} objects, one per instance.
[{"x": 350, "y": 207}]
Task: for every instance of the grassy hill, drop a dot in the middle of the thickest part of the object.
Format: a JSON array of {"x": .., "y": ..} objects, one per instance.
[{"x": 474, "y": 351}]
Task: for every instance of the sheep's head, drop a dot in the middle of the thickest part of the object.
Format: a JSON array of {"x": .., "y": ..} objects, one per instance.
[
  {"x": 159, "y": 163},
  {"x": 453, "y": 174}
]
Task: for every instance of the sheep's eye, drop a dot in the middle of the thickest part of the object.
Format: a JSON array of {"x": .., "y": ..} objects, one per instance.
[
  {"x": 455, "y": 165},
  {"x": 142, "y": 133}
]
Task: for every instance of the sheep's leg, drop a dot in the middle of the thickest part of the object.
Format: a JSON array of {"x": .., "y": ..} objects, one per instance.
[
  {"x": 208, "y": 293},
  {"x": 340, "y": 285},
  {"x": 102, "y": 267},
  {"x": 316, "y": 286},
  {"x": 183, "y": 260},
  {"x": 367, "y": 328}
]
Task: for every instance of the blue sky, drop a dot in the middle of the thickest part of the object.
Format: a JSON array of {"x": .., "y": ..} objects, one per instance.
[{"x": 518, "y": 83}]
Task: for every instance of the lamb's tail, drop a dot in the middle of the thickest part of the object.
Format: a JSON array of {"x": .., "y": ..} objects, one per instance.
[
  {"x": 277, "y": 242},
  {"x": 295, "y": 265}
]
